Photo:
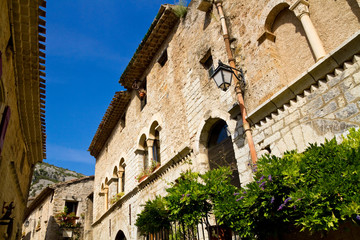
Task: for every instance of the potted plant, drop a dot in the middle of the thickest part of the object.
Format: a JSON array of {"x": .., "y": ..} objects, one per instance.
[
  {"x": 154, "y": 165},
  {"x": 116, "y": 197},
  {"x": 142, "y": 175},
  {"x": 67, "y": 222},
  {"x": 142, "y": 93}
]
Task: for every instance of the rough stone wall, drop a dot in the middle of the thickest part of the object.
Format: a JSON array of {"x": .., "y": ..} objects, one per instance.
[
  {"x": 325, "y": 110},
  {"x": 53, "y": 204},
  {"x": 15, "y": 170},
  {"x": 38, "y": 222},
  {"x": 186, "y": 103},
  {"x": 335, "y": 21}
]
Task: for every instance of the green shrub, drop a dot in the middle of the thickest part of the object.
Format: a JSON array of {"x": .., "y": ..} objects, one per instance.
[
  {"x": 154, "y": 217},
  {"x": 180, "y": 9},
  {"x": 315, "y": 190}
]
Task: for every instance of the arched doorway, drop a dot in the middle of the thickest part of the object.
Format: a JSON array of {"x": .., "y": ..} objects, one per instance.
[
  {"x": 220, "y": 150},
  {"x": 120, "y": 235}
]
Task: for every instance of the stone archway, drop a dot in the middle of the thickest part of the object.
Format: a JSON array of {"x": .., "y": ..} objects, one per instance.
[
  {"x": 120, "y": 235},
  {"x": 217, "y": 143}
]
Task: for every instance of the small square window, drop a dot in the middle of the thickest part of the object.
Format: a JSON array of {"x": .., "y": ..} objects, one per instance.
[
  {"x": 163, "y": 58},
  {"x": 71, "y": 206},
  {"x": 207, "y": 62},
  {"x": 143, "y": 96}
]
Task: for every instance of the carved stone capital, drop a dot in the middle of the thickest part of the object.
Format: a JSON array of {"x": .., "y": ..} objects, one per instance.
[
  {"x": 300, "y": 7},
  {"x": 120, "y": 173},
  {"x": 150, "y": 142}
]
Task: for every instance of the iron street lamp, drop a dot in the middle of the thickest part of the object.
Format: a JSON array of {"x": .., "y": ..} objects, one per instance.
[{"x": 223, "y": 76}]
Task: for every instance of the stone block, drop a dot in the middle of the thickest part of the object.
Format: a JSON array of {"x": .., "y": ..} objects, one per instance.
[
  {"x": 332, "y": 93},
  {"x": 298, "y": 138},
  {"x": 327, "y": 109},
  {"x": 289, "y": 141},
  {"x": 292, "y": 117},
  {"x": 311, "y": 106},
  {"x": 332, "y": 80},
  {"x": 352, "y": 94},
  {"x": 356, "y": 77},
  {"x": 272, "y": 138},
  {"x": 347, "y": 111},
  {"x": 278, "y": 125}
]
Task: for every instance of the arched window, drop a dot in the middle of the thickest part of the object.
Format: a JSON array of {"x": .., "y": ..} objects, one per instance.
[
  {"x": 154, "y": 140},
  {"x": 221, "y": 151},
  {"x": 292, "y": 45},
  {"x": 122, "y": 176},
  {"x": 143, "y": 152},
  {"x": 120, "y": 235},
  {"x": 106, "y": 193},
  {"x": 156, "y": 148}
]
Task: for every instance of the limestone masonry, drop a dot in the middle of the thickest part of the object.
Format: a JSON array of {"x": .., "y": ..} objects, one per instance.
[{"x": 301, "y": 61}]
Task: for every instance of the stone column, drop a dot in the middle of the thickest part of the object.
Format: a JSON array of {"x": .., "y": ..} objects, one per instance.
[
  {"x": 120, "y": 180},
  {"x": 301, "y": 10},
  {"x": 106, "y": 193},
  {"x": 150, "y": 144}
]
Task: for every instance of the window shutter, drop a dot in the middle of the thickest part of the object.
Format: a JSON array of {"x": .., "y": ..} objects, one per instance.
[{"x": 3, "y": 127}]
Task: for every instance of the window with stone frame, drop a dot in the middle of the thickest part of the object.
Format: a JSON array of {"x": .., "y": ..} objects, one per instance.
[
  {"x": 207, "y": 62},
  {"x": 72, "y": 206},
  {"x": 143, "y": 94},
  {"x": 156, "y": 148},
  {"x": 221, "y": 151},
  {"x": 163, "y": 58}
]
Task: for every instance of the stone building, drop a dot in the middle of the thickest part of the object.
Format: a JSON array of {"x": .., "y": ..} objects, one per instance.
[
  {"x": 22, "y": 114},
  {"x": 40, "y": 217},
  {"x": 302, "y": 84}
]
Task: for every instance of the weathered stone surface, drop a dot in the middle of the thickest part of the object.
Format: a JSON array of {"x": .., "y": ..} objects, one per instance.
[
  {"x": 193, "y": 104},
  {"x": 347, "y": 111}
]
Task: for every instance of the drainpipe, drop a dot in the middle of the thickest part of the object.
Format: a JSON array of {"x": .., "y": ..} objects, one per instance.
[{"x": 238, "y": 92}]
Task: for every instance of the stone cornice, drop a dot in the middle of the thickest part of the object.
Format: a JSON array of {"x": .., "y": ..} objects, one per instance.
[
  {"x": 28, "y": 31},
  {"x": 149, "y": 46}
]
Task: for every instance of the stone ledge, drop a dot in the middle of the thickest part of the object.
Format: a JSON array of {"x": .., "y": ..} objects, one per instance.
[{"x": 319, "y": 70}]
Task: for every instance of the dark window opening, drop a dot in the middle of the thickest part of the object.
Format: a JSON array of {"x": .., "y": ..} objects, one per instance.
[
  {"x": 145, "y": 157},
  {"x": 219, "y": 133},
  {"x": 156, "y": 148},
  {"x": 221, "y": 151},
  {"x": 71, "y": 206},
  {"x": 122, "y": 121},
  {"x": 163, "y": 58},
  {"x": 123, "y": 181},
  {"x": 143, "y": 98},
  {"x": 207, "y": 62}
]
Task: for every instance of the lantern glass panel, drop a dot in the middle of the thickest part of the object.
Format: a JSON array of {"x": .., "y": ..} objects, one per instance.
[
  {"x": 218, "y": 78},
  {"x": 227, "y": 77}
]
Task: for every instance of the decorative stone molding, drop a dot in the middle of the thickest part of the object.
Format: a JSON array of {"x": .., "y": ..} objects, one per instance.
[
  {"x": 266, "y": 35},
  {"x": 301, "y": 10},
  {"x": 120, "y": 173},
  {"x": 300, "y": 7}
]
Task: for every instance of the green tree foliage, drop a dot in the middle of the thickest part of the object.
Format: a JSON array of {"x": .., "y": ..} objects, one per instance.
[
  {"x": 313, "y": 191},
  {"x": 154, "y": 217}
]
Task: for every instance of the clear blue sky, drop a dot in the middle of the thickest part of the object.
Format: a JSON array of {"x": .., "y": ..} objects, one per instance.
[{"x": 89, "y": 44}]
